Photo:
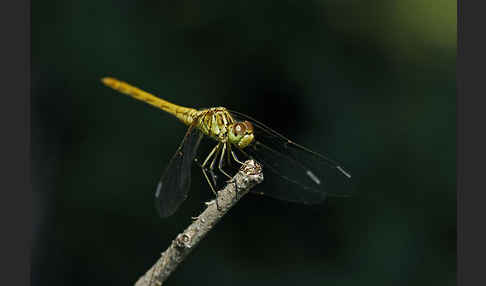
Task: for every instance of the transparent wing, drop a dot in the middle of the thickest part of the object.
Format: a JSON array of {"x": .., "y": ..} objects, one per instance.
[
  {"x": 176, "y": 180},
  {"x": 316, "y": 175}
]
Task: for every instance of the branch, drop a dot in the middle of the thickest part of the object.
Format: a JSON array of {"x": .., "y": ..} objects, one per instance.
[{"x": 250, "y": 174}]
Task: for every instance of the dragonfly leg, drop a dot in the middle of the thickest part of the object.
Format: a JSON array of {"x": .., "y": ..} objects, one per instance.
[
  {"x": 236, "y": 158},
  {"x": 209, "y": 181},
  {"x": 214, "y": 153},
  {"x": 233, "y": 154},
  {"x": 197, "y": 161},
  {"x": 211, "y": 170},
  {"x": 215, "y": 149},
  {"x": 220, "y": 165},
  {"x": 228, "y": 157},
  {"x": 213, "y": 175},
  {"x": 203, "y": 167}
]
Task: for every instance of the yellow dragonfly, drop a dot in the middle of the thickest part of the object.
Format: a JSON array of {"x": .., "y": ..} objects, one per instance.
[{"x": 316, "y": 175}]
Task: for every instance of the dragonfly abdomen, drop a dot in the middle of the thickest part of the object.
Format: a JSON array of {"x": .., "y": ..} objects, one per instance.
[{"x": 184, "y": 114}]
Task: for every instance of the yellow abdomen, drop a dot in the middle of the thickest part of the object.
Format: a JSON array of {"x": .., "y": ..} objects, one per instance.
[{"x": 184, "y": 114}]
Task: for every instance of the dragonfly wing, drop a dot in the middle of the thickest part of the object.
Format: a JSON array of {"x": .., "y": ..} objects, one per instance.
[
  {"x": 316, "y": 175},
  {"x": 176, "y": 180}
]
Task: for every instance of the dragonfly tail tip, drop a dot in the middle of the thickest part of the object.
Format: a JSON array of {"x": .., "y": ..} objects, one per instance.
[{"x": 107, "y": 80}]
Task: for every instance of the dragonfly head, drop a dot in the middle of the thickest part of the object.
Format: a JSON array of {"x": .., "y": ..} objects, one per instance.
[{"x": 241, "y": 133}]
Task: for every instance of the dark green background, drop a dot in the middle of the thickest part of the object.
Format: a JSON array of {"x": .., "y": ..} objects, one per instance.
[{"x": 372, "y": 83}]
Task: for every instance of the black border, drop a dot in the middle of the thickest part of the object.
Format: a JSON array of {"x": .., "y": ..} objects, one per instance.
[
  {"x": 471, "y": 104},
  {"x": 16, "y": 210}
]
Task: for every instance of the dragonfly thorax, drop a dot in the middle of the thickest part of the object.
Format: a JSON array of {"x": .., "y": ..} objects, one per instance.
[{"x": 218, "y": 123}]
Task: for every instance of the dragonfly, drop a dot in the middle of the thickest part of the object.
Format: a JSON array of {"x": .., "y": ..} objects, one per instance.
[{"x": 238, "y": 135}]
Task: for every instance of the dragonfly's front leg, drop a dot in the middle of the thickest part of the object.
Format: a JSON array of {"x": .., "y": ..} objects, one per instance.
[
  {"x": 220, "y": 165},
  {"x": 234, "y": 156}
]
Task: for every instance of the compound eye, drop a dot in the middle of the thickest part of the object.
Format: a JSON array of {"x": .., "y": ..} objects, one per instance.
[
  {"x": 240, "y": 129},
  {"x": 249, "y": 126}
]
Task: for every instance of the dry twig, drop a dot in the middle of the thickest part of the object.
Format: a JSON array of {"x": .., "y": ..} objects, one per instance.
[{"x": 250, "y": 174}]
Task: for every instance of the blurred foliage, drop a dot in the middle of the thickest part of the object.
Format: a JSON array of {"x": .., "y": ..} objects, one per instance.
[{"x": 370, "y": 82}]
